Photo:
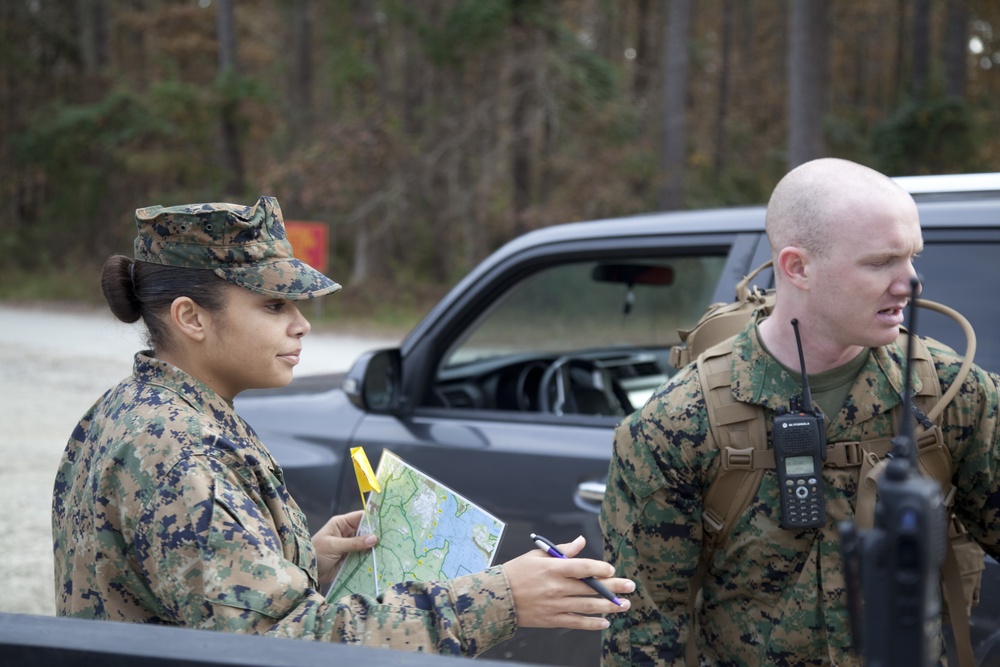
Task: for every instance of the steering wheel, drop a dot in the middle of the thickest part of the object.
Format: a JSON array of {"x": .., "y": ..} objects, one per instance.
[{"x": 580, "y": 386}]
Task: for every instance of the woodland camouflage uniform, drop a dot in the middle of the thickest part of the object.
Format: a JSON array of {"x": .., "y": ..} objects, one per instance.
[
  {"x": 771, "y": 596},
  {"x": 168, "y": 509}
]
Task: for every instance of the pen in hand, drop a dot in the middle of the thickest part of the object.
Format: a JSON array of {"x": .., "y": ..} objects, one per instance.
[{"x": 552, "y": 550}]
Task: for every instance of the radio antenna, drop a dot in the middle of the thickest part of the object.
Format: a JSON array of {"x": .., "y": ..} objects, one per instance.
[
  {"x": 807, "y": 405},
  {"x": 903, "y": 445}
]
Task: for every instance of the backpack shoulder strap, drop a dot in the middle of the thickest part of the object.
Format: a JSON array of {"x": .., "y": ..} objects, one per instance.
[
  {"x": 929, "y": 403},
  {"x": 933, "y": 456},
  {"x": 740, "y": 432}
]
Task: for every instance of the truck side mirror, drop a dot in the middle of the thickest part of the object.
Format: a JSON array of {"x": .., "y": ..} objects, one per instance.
[{"x": 373, "y": 383}]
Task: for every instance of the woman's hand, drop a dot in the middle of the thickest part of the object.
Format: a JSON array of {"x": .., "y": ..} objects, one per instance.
[
  {"x": 335, "y": 540},
  {"x": 548, "y": 592}
]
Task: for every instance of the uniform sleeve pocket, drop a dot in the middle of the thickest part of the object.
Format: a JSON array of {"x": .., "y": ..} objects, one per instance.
[{"x": 244, "y": 565}]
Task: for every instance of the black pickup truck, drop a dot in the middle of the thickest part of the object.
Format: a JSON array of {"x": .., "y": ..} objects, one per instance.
[{"x": 510, "y": 387}]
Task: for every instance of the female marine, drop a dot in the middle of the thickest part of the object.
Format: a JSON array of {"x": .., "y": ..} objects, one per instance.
[{"x": 169, "y": 509}]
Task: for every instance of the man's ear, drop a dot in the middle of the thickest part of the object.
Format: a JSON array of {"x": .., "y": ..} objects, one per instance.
[
  {"x": 793, "y": 263},
  {"x": 190, "y": 319}
]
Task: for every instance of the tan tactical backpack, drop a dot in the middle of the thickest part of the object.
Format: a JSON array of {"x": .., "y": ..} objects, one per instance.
[{"x": 740, "y": 430}]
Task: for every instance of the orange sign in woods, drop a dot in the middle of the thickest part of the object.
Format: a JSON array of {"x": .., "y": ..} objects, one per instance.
[{"x": 309, "y": 242}]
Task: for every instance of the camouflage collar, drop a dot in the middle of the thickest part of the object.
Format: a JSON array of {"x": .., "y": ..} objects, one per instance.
[
  {"x": 230, "y": 431},
  {"x": 758, "y": 378},
  {"x": 150, "y": 370}
]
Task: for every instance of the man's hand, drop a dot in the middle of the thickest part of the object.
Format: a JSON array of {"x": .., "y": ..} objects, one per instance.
[{"x": 335, "y": 540}]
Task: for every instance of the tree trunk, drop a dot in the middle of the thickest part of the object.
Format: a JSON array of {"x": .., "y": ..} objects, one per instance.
[
  {"x": 901, "y": 41},
  {"x": 94, "y": 35},
  {"x": 231, "y": 153},
  {"x": 301, "y": 93},
  {"x": 956, "y": 42},
  {"x": 807, "y": 58},
  {"x": 642, "y": 65},
  {"x": 372, "y": 221},
  {"x": 362, "y": 238},
  {"x": 722, "y": 108},
  {"x": 675, "y": 69},
  {"x": 522, "y": 89},
  {"x": 747, "y": 51},
  {"x": 921, "y": 48}
]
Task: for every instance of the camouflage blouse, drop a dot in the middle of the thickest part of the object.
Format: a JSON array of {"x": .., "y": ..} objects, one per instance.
[
  {"x": 168, "y": 509},
  {"x": 771, "y": 596}
]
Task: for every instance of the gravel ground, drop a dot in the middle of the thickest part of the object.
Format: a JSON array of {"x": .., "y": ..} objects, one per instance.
[{"x": 54, "y": 363}]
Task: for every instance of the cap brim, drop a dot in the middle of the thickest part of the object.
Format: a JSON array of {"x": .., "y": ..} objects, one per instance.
[{"x": 290, "y": 279}]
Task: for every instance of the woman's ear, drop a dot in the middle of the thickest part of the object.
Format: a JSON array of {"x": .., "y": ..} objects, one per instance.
[
  {"x": 188, "y": 318},
  {"x": 793, "y": 263}
]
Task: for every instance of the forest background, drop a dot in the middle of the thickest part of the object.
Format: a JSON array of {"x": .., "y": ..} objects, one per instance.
[{"x": 428, "y": 133}]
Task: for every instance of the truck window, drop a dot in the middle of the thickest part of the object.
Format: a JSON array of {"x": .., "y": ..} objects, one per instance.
[
  {"x": 616, "y": 318},
  {"x": 964, "y": 276}
]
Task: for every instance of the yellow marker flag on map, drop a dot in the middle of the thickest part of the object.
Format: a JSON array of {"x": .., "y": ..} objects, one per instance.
[{"x": 364, "y": 473}]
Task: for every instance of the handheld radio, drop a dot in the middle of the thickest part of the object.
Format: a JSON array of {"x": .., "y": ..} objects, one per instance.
[
  {"x": 900, "y": 558},
  {"x": 799, "y": 440}
]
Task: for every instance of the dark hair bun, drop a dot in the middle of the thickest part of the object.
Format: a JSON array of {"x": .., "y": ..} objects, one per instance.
[{"x": 118, "y": 285}]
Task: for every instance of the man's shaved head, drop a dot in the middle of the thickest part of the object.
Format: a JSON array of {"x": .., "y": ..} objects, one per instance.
[{"x": 808, "y": 201}]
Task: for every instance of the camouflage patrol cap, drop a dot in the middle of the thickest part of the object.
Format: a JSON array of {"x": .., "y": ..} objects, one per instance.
[{"x": 245, "y": 245}]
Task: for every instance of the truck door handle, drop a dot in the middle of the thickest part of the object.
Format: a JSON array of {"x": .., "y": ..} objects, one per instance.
[{"x": 591, "y": 491}]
